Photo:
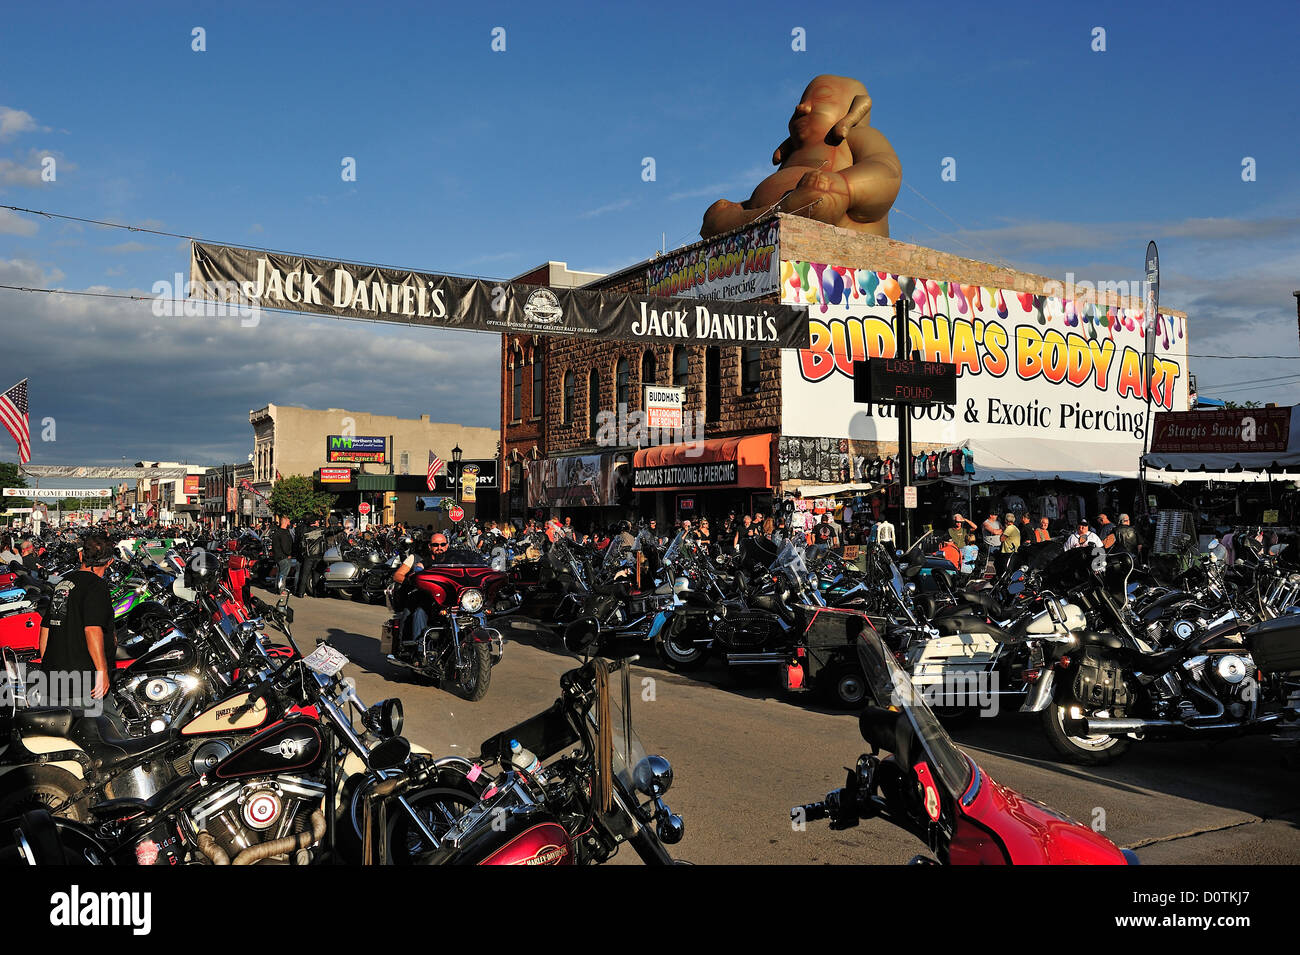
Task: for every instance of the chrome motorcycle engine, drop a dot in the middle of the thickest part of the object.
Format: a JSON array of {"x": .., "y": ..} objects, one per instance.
[{"x": 240, "y": 815}]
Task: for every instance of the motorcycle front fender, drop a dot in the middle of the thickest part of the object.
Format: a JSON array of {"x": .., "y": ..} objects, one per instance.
[
  {"x": 660, "y": 621},
  {"x": 1040, "y": 697}
]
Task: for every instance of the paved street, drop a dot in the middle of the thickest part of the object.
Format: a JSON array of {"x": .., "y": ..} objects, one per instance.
[{"x": 743, "y": 756}]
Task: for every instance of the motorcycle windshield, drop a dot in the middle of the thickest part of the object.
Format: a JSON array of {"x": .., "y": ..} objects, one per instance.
[
  {"x": 628, "y": 748},
  {"x": 617, "y": 555},
  {"x": 891, "y": 688}
]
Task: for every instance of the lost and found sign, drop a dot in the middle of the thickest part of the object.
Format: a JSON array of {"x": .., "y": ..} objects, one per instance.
[{"x": 914, "y": 382}]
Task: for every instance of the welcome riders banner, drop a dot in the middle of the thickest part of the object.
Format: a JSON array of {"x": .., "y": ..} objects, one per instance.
[
  {"x": 1030, "y": 368},
  {"x": 271, "y": 280}
]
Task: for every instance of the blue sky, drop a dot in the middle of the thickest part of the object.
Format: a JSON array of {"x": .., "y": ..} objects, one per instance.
[{"x": 487, "y": 163}]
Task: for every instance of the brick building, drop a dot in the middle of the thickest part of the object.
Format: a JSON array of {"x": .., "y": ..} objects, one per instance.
[{"x": 775, "y": 421}]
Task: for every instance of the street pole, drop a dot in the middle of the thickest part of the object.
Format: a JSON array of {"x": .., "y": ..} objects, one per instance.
[{"x": 902, "y": 351}]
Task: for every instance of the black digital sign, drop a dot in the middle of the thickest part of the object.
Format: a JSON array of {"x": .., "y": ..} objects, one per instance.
[{"x": 905, "y": 382}]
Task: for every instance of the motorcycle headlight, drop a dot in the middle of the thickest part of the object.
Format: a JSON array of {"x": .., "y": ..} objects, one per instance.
[
  {"x": 471, "y": 601},
  {"x": 387, "y": 717},
  {"x": 499, "y": 563}
]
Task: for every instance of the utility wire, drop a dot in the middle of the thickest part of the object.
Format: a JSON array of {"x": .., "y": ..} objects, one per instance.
[{"x": 255, "y": 248}]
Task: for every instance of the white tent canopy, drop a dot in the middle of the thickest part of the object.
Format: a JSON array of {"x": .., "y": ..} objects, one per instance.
[{"x": 1017, "y": 459}]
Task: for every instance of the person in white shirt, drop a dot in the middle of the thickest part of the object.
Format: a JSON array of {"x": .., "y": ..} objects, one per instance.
[
  {"x": 885, "y": 532},
  {"x": 1083, "y": 537}
]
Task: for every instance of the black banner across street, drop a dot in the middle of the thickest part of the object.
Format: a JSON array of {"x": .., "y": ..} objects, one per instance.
[
  {"x": 271, "y": 280},
  {"x": 714, "y": 474}
]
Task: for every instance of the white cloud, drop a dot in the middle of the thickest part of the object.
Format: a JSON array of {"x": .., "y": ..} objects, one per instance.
[
  {"x": 13, "y": 223},
  {"x": 15, "y": 121},
  {"x": 601, "y": 210},
  {"x": 226, "y": 369}
]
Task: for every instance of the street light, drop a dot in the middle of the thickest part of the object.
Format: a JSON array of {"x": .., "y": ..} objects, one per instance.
[{"x": 456, "y": 452}]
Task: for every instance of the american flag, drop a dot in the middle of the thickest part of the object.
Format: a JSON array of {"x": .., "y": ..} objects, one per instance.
[
  {"x": 13, "y": 412},
  {"x": 435, "y": 465}
]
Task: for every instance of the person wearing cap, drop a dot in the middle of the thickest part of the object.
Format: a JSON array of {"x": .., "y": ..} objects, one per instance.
[
  {"x": 1083, "y": 537},
  {"x": 1010, "y": 543}
]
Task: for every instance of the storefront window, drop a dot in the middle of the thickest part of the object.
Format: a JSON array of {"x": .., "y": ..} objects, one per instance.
[
  {"x": 621, "y": 382},
  {"x": 712, "y": 383},
  {"x": 648, "y": 368},
  {"x": 569, "y": 388},
  {"x": 749, "y": 365},
  {"x": 681, "y": 364}
]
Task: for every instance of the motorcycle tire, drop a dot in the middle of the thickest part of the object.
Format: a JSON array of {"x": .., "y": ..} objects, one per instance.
[
  {"x": 472, "y": 683},
  {"x": 679, "y": 658},
  {"x": 40, "y": 787},
  {"x": 1081, "y": 750},
  {"x": 438, "y": 807},
  {"x": 845, "y": 686}
]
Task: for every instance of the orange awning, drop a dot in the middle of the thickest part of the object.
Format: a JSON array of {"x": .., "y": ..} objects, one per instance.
[{"x": 718, "y": 462}]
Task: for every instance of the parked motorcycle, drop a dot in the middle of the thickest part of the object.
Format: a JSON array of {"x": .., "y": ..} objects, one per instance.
[
  {"x": 930, "y": 788},
  {"x": 578, "y": 798}
]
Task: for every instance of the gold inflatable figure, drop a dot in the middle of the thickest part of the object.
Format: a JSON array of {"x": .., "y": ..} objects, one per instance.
[{"x": 834, "y": 167}]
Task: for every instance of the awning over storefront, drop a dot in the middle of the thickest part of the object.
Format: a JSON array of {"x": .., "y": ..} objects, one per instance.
[
  {"x": 834, "y": 490},
  {"x": 716, "y": 463},
  {"x": 1237, "y": 444}
]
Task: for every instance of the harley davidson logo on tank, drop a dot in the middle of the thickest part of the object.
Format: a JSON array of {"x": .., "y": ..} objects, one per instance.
[
  {"x": 248, "y": 277},
  {"x": 1028, "y": 366}
]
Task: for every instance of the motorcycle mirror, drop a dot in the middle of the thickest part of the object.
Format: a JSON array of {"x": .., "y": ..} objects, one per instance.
[{"x": 391, "y": 753}]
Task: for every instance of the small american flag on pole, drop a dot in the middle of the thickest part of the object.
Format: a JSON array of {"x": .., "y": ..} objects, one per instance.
[
  {"x": 13, "y": 412},
  {"x": 435, "y": 465}
]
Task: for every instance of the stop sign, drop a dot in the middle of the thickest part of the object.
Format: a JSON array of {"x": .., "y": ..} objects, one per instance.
[
  {"x": 363, "y": 508},
  {"x": 457, "y": 513}
]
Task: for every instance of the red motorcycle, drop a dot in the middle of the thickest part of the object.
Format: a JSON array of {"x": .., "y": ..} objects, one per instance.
[
  {"x": 440, "y": 624},
  {"x": 930, "y": 788}
]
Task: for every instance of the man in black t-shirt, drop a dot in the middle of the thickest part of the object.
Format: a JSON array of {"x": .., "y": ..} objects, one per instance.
[
  {"x": 78, "y": 642},
  {"x": 824, "y": 533}
]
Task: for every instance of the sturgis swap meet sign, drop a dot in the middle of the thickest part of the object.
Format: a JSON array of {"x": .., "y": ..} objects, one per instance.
[{"x": 272, "y": 280}]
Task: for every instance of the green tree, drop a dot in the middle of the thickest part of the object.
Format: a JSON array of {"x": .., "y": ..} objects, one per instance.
[
  {"x": 11, "y": 477},
  {"x": 296, "y": 497}
]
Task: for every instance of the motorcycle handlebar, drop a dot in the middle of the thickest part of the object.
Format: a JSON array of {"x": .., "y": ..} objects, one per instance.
[{"x": 810, "y": 812}]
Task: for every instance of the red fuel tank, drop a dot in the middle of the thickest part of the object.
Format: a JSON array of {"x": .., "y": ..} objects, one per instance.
[{"x": 544, "y": 843}]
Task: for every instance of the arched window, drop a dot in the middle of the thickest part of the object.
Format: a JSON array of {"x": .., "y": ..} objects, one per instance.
[
  {"x": 570, "y": 384},
  {"x": 681, "y": 366},
  {"x": 537, "y": 386},
  {"x": 593, "y": 403},
  {"x": 516, "y": 386},
  {"x": 750, "y": 357},
  {"x": 648, "y": 368},
  {"x": 712, "y": 383},
  {"x": 622, "y": 387}
]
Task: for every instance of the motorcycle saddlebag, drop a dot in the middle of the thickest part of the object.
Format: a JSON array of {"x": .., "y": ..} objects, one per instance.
[
  {"x": 1275, "y": 644},
  {"x": 1099, "y": 683}
]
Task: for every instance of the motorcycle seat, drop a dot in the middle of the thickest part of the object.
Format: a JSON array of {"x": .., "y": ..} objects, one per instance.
[
  {"x": 985, "y": 603},
  {"x": 1099, "y": 638},
  {"x": 953, "y": 625},
  {"x": 99, "y": 738},
  {"x": 134, "y": 805},
  {"x": 45, "y": 720}
]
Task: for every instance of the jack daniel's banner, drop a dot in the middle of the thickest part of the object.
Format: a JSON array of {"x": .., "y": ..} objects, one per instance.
[{"x": 245, "y": 277}]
